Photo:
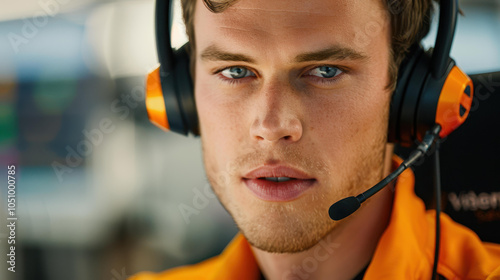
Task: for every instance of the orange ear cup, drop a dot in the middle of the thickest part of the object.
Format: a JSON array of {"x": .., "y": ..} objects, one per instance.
[
  {"x": 155, "y": 103},
  {"x": 454, "y": 102}
]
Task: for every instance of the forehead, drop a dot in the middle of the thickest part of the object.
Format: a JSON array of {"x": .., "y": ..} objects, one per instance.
[{"x": 292, "y": 24}]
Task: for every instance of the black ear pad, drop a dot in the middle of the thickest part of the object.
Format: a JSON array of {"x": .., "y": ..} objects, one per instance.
[
  {"x": 400, "y": 120},
  {"x": 415, "y": 100},
  {"x": 184, "y": 85},
  {"x": 178, "y": 94}
]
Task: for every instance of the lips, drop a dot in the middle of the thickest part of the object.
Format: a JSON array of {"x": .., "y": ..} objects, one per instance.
[{"x": 278, "y": 183}]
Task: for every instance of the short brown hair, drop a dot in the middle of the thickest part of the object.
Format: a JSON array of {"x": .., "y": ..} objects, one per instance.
[{"x": 410, "y": 22}]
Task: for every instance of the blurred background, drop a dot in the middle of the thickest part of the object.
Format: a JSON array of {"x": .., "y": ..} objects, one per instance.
[{"x": 101, "y": 193}]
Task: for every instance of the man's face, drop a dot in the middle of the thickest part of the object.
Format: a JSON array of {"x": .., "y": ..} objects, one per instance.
[{"x": 291, "y": 89}]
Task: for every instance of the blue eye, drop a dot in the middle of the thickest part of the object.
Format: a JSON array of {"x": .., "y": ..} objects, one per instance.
[
  {"x": 325, "y": 72},
  {"x": 236, "y": 72}
]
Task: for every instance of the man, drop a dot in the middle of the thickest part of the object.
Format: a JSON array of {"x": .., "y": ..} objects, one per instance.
[{"x": 293, "y": 101}]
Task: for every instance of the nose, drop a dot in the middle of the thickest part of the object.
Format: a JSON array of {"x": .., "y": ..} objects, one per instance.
[{"x": 277, "y": 115}]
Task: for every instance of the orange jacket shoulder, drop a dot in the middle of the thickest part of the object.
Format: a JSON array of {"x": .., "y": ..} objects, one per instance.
[{"x": 198, "y": 271}]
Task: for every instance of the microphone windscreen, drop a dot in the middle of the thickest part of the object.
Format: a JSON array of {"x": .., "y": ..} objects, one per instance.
[{"x": 343, "y": 208}]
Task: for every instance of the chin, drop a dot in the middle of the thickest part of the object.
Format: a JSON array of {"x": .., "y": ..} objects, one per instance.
[
  {"x": 290, "y": 227},
  {"x": 287, "y": 239}
]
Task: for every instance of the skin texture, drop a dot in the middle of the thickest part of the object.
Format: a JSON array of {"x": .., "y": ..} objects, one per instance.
[{"x": 285, "y": 112}]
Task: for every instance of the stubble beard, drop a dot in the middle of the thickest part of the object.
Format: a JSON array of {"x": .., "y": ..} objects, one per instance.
[{"x": 291, "y": 227}]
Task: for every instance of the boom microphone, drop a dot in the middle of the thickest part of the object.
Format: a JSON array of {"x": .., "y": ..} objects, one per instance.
[{"x": 346, "y": 206}]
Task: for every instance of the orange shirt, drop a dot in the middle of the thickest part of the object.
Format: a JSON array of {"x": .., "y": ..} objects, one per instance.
[{"x": 405, "y": 249}]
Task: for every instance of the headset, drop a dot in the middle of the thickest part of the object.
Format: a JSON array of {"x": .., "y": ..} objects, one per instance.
[
  {"x": 430, "y": 88},
  {"x": 433, "y": 97}
]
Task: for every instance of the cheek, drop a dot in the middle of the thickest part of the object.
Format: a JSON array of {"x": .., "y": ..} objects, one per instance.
[
  {"x": 220, "y": 123},
  {"x": 346, "y": 128},
  {"x": 352, "y": 114}
]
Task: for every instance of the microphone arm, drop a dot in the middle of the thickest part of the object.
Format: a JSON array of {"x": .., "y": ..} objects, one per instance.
[{"x": 346, "y": 206}]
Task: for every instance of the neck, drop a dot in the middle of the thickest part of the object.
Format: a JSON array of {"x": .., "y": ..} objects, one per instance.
[{"x": 342, "y": 254}]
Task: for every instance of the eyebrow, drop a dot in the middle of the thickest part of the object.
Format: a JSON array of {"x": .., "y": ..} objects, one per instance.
[
  {"x": 214, "y": 53},
  {"x": 335, "y": 52}
]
